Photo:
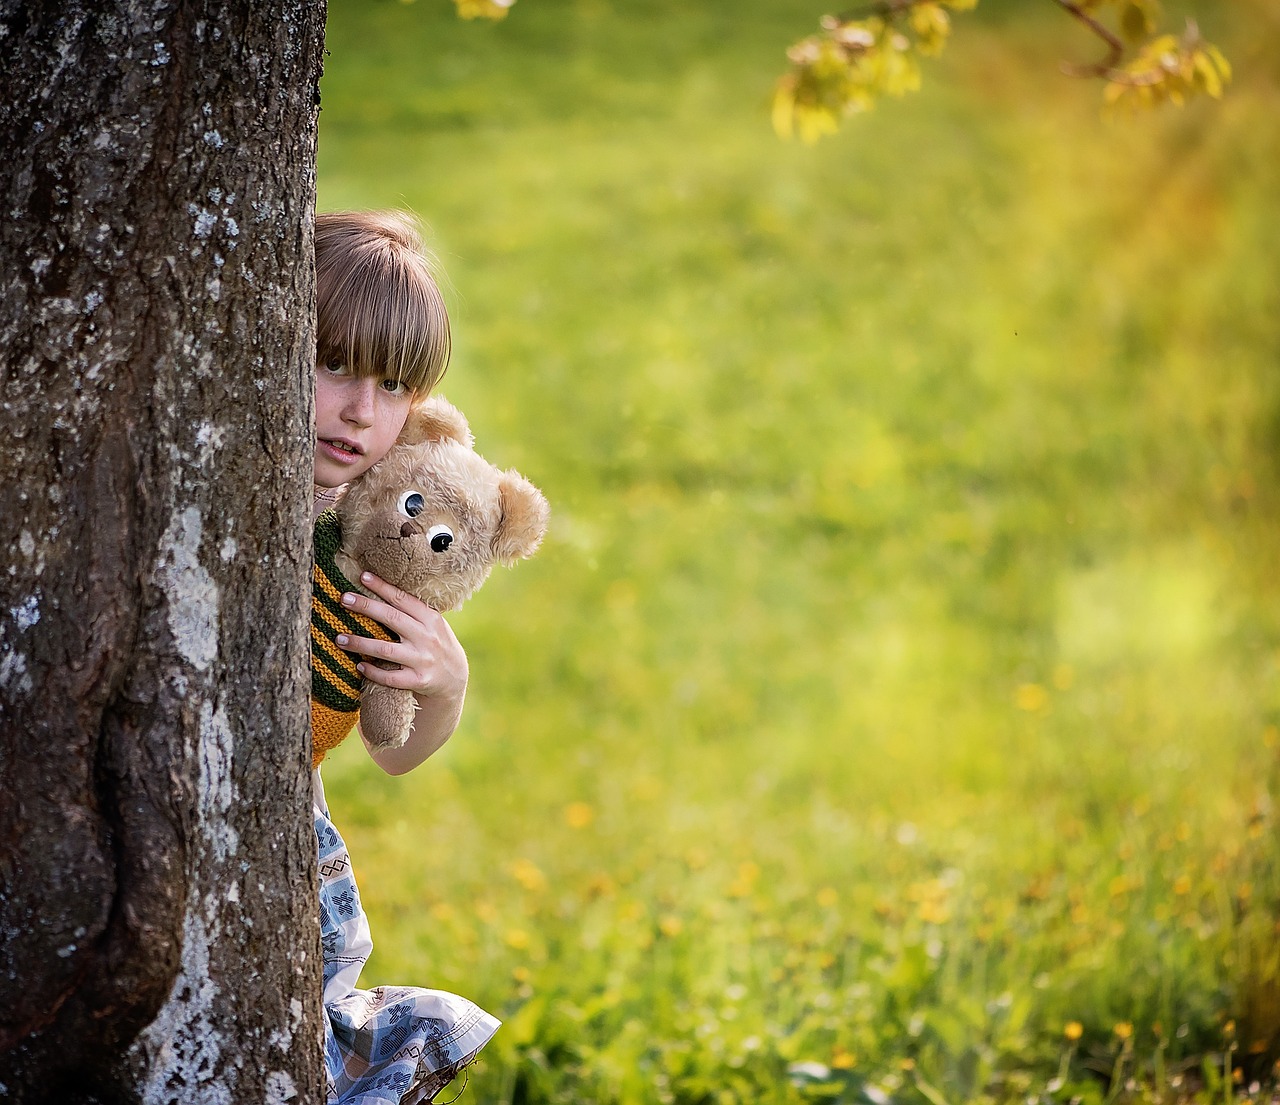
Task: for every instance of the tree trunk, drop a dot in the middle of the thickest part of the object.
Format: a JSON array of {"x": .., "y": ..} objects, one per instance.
[{"x": 158, "y": 920}]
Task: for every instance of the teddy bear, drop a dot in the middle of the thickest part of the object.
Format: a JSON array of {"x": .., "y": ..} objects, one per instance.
[{"x": 432, "y": 517}]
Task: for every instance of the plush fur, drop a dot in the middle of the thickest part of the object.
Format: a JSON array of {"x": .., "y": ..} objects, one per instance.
[{"x": 492, "y": 517}]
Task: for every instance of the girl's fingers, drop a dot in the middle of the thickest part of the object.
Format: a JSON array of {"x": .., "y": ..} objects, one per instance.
[
  {"x": 401, "y": 619},
  {"x": 367, "y": 646},
  {"x": 430, "y": 659},
  {"x": 397, "y": 597},
  {"x": 401, "y": 678},
  {"x": 392, "y": 617}
]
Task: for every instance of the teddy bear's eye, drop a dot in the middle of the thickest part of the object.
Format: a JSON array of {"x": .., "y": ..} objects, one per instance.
[
  {"x": 439, "y": 538},
  {"x": 412, "y": 504}
]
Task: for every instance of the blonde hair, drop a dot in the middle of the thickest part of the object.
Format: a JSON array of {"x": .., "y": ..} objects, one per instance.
[{"x": 379, "y": 310}]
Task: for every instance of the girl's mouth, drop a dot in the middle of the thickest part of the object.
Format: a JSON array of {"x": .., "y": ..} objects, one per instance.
[{"x": 340, "y": 450}]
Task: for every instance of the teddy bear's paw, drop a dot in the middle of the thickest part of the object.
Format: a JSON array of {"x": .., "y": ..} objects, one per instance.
[{"x": 386, "y": 715}]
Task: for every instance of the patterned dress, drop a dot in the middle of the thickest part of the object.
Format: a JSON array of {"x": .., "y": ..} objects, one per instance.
[{"x": 392, "y": 1044}]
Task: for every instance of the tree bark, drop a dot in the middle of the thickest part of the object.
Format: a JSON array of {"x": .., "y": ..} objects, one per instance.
[{"x": 158, "y": 923}]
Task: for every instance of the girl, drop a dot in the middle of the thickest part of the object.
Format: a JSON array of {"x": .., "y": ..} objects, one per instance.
[{"x": 382, "y": 343}]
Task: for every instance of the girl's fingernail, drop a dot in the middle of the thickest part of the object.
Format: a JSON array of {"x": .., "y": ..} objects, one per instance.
[
  {"x": 342, "y": 638},
  {"x": 348, "y": 599},
  {"x": 365, "y": 577},
  {"x": 360, "y": 668}
]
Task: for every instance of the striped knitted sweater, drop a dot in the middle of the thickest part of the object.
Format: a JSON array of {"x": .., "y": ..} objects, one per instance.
[{"x": 335, "y": 683}]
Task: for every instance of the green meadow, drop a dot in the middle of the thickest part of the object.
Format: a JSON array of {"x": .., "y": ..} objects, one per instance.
[{"x": 891, "y": 714}]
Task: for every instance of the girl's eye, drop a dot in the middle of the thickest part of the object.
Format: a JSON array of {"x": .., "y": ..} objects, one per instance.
[
  {"x": 394, "y": 387},
  {"x": 337, "y": 368},
  {"x": 412, "y": 504},
  {"x": 439, "y": 538}
]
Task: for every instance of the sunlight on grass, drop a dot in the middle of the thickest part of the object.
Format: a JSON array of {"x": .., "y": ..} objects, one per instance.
[
  {"x": 1163, "y": 607},
  {"x": 891, "y": 712}
]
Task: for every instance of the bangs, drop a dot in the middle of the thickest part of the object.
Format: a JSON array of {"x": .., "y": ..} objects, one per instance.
[{"x": 379, "y": 310}]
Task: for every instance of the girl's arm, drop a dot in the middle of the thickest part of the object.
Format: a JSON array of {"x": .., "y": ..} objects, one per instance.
[
  {"x": 433, "y": 723},
  {"x": 432, "y": 664}
]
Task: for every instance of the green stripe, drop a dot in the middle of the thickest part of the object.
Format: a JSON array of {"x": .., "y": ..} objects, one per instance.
[
  {"x": 329, "y": 669},
  {"x": 328, "y": 540},
  {"x": 347, "y": 622},
  {"x": 330, "y": 694},
  {"x": 331, "y": 684}
]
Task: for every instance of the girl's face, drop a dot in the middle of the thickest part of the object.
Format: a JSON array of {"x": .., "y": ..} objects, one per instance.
[{"x": 358, "y": 418}]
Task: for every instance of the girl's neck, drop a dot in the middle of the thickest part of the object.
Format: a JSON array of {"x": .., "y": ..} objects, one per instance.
[{"x": 323, "y": 498}]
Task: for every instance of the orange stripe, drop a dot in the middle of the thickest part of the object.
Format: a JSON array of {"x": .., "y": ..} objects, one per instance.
[
  {"x": 337, "y": 657},
  {"x": 335, "y": 624},
  {"x": 343, "y": 620}
]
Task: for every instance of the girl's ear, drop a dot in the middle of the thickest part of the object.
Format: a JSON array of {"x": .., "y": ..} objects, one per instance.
[
  {"x": 435, "y": 419},
  {"x": 524, "y": 518}
]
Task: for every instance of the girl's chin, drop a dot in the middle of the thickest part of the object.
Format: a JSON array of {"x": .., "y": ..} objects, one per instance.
[{"x": 329, "y": 473}]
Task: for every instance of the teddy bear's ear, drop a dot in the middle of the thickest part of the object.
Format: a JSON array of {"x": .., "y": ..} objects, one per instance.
[
  {"x": 435, "y": 419},
  {"x": 524, "y": 518}
]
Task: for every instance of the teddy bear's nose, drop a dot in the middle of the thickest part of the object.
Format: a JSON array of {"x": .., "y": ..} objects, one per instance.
[{"x": 408, "y": 530}]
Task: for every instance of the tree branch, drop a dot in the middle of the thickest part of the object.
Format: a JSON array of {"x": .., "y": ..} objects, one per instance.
[
  {"x": 1106, "y": 68},
  {"x": 1115, "y": 48},
  {"x": 886, "y": 8}
]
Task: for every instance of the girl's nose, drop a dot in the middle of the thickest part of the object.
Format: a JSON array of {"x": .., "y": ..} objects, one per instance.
[{"x": 358, "y": 409}]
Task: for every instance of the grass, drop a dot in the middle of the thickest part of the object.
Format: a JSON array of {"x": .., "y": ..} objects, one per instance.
[{"x": 892, "y": 710}]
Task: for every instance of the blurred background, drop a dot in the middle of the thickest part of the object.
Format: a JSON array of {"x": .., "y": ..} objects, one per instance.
[{"x": 891, "y": 712}]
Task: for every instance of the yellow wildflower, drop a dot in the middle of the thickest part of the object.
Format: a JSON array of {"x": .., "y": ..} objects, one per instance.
[
  {"x": 578, "y": 815},
  {"x": 1031, "y": 697},
  {"x": 933, "y": 912},
  {"x": 748, "y": 873},
  {"x": 696, "y": 859},
  {"x": 600, "y": 885},
  {"x": 528, "y": 874}
]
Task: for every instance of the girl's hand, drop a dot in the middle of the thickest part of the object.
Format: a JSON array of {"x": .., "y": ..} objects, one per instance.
[{"x": 429, "y": 660}]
